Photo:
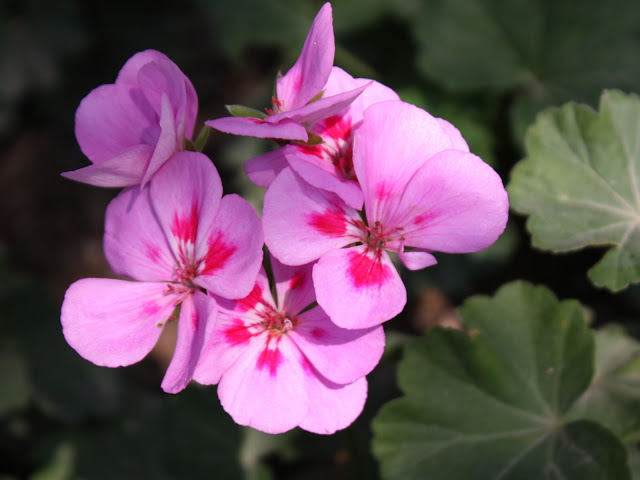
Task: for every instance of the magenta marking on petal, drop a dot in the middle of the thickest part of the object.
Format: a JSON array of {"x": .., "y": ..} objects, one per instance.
[
  {"x": 297, "y": 281},
  {"x": 218, "y": 252},
  {"x": 186, "y": 227},
  {"x": 366, "y": 271},
  {"x": 271, "y": 359},
  {"x": 423, "y": 218},
  {"x": 150, "y": 308},
  {"x": 329, "y": 223},
  {"x": 237, "y": 333},
  {"x": 256, "y": 120},
  {"x": 306, "y": 367},
  {"x": 153, "y": 253},
  {"x": 250, "y": 301},
  {"x": 318, "y": 333},
  {"x": 315, "y": 150},
  {"x": 383, "y": 192}
]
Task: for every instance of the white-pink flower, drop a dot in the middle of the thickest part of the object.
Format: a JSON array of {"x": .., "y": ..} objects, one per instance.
[
  {"x": 128, "y": 129},
  {"x": 300, "y": 100},
  {"x": 281, "y": 364},
  {"x": 423, "y": 192},
  {"x": 177, "y": 238}
]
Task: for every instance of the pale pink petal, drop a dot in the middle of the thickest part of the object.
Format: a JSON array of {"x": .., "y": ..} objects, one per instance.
[
  {"x": 134, "y": 243},
  {"x": 416, "y": 259},
  {"x": 333, "y": 407},
  {"x": 309, "y": 74},
  {"x": 265, "y": 386},
  {"x": 230, "y": 251},
  {"x": 185, "y": 194},
  {"x": 394, "y": 140},
  {"x": 301, "y": 222},
  {"x": 114, "y": 322},
  {"x": 358, "y": 288},
  {"x": 285, "y": 128},
  {"x": 294, "y": 286},
  {"x": 123, "y": 170},
  {"x": 195, "y": 313},
  {"x": 114, "y": 118},
  {"x": 167, "y": 143},
  {"x": 340, "y": 355},
  {"x": 163, "y": 79},
  {"x": 455, "y": 203},
  {"x": 457, "y": 141},
  {"x": 319, "y": 173},
  {"x": 319, "y": 109},
  {"x": 263, "y": 169},
  {"x": 129, "y": 72}
]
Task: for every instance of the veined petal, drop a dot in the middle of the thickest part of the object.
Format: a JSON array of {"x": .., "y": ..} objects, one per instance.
[
  {"x": 285, "y": 128},
  {"x": 455, "y": 203},
  {"x": 394, "y": 140},
  {"x": 123, "y": 170},
  {"x": 263, "y": 169},
  {"x": 160, "y": 79},
  {"x": 115, "y": 322},
  {"x": 309, "y": 74},
  {"x": 185, "y": 194},
  {"x": 229, "y": 252},
  {"x": 340, "y": 355},
  {"x": 358, "y": 287},
  {"x": 134, "y": 243},
  {"x": 334, "y": 407},
  {"x": 301, "y": 222},
  {"x": 195, "y": 312},
  {"x": 167, "y": 143},
  {"x": 265, "y": 386},
  {"x": 294, "y": 286},
  {"x": 457, "y": 141}
]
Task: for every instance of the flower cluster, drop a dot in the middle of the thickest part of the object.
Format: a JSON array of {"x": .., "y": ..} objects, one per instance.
[{"x": 357, "y": 175}]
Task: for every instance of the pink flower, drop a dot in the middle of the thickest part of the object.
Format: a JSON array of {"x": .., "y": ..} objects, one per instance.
[
  {"x": 130, "y": 128},
  {"x": 328, "y": 164},
  {"x": 281, "y": 364},
  {"x": 300, "y": 99},
  {"x": 422, "y": 193},
  {"x": 177, "y": 238}
]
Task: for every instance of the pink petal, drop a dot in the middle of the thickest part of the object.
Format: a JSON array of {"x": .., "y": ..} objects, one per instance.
[
  {"x": 263, "y": 169},
  {"x": 134, "y": 244},
  {"x": 455, "y": 203},
  {"x": 457, "y": 141},
  {"x": 334, "y": 407},
  {"x": 265, "y": 388},
  {"x": 309, "y": 74},
  {"x": 129, "y": 72},
  {"x": 230, "y": 250},
  {"x": 195, "y": 313},
  {"x": 301, "y": 222},
  {"x": 112, "y": 119},
  {"x": 284, "y": 128},
  {"x": 185, "y": 194},
  {"x": 167, "y": 143},
  {"x": 114, "y": 322},
  {"x": 358, "y": 288},
  {"x": 394, "y": 140},
  {"x": 124, "y": 170},
  {"x": 340, "y": 355},
  {"x": 416, "y": 259},
  {"x": 294, "y": 286}
]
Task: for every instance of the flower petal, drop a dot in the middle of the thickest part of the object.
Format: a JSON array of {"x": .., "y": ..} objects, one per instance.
[
  {"x": 129, "y": 72},
  {"x": 340, "y": 355},
  {"x": 124, "y": 170},
  {"x": 263, "y": 169},
  {"x": 230, "y": 250},
  {"x": 284, "y": 128},
  {"x": 265, "y": 387},
  {"x": 294, "y": 286},
  {"x": 416, "y": 259},
  {"x": 134, "y": 244},
  {"x": 455, "y": 203},
  {"x": 333, "y": 407},
  {"x": 196, "y": 312},
  {"x": 167, "y": 143},
  {"x": 309, "y": 74},
  {"x": 358, "y": 288},
  {"x": 301, "y": 222},
  {"x": 114, "y": 322}
]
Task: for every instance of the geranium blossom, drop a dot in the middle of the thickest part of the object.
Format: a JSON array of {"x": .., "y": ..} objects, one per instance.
[
  {"x": 300, "y": 100},
  {"x": 130, "y": 128},
  {"x": 280, "y": 364},
  {"x": 177, "y": 238},
  {"x": 328, "y": 163},
  {"x": 421, "y": 194}
]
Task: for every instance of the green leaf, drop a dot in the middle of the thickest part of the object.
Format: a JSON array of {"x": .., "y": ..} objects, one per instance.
[
  {"x": 491, "y": 405},
  {"x": 550, "y": 49},
  {"x": 242, "y": 111},
  {"x": 580, "y": 184}
]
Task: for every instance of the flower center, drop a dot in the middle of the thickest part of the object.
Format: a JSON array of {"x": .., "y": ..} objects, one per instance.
[{"x": 277, "y": 323}]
